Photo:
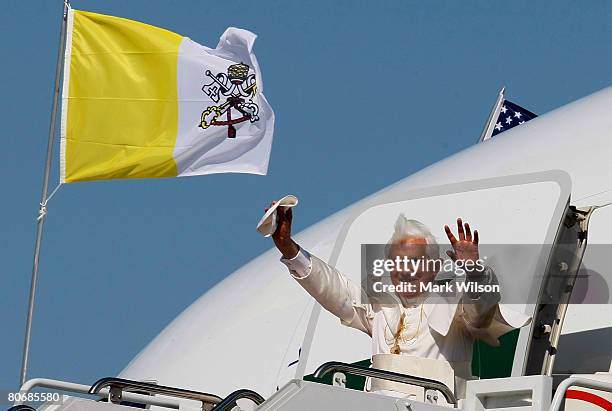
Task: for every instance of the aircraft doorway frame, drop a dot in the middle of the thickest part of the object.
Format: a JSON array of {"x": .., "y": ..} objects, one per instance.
[{"x": 526, "y": 335}]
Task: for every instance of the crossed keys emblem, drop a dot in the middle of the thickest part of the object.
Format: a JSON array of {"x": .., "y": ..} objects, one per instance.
[{"x": 238, "y": 87}]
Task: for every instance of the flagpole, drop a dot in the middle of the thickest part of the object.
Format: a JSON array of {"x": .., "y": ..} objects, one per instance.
[
  {"x": 488, "y": 128},
  {"x": 43, "y": 197}
]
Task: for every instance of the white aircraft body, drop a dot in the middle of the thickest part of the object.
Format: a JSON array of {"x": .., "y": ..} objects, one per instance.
[
  {"x": 259, "y": 330},
  {"x": 247, "y": 330}
]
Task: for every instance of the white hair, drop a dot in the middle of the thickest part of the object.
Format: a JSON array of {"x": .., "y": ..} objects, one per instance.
[{"x": 413, "y": 228}]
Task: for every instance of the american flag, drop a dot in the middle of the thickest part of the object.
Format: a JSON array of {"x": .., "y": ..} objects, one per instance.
[{"x": 511, "y": 115}]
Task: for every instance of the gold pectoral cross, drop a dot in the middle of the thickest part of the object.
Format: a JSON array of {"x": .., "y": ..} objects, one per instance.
[
  {"x": 398, "y": 335},
  {"x": 401, "y": 327}
]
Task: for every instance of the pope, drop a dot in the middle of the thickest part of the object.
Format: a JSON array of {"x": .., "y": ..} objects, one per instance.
[{"x": 415, "y": 336}]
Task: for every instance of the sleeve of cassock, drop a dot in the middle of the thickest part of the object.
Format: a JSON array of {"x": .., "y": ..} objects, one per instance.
[
  {"x": 481, "y": 314},
  {"x": 336, "y": 293}
]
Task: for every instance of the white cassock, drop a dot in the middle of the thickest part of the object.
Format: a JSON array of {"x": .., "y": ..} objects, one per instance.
[{"x": 436, "y": 340}]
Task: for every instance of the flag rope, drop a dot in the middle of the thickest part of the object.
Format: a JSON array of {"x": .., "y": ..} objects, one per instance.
[{"x": 42, "y": 211}]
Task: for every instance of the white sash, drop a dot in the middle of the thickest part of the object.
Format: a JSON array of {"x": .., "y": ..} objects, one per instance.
[{"x": 439, "y": 370}]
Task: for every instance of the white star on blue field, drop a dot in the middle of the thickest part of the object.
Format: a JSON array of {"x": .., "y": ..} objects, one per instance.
[{"x": 511, "y": 115}]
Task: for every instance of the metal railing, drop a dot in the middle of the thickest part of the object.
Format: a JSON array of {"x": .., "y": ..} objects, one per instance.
[
  {"x": 230, "y": 401},
  {"x": 583, "y": 382},
  {"x": 71, "y": 387},
  {"x": 116, "y": 386},
  {"x": 426, "y": 383}
]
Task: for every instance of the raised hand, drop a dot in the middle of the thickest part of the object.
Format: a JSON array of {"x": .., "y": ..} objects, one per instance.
[
  {"x": 466, "y": 247},
  {"x": 282, "y": 235}
]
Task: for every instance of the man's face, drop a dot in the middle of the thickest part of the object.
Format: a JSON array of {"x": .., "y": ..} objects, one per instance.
[{"x": 413, "y": 249}]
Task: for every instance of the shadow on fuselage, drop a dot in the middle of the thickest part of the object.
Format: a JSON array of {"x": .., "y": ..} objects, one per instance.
[{"x": 585, "y": 352}]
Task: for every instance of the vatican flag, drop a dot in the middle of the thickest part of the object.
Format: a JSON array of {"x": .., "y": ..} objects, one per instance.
[{"x": 141, "y": 102}]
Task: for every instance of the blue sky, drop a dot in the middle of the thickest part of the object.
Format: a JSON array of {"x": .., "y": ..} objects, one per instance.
[{"x": 365, "y": 93}]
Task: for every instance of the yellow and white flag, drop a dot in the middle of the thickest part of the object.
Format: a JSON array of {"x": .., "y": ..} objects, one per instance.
[{"x": 142, "y": 102}]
